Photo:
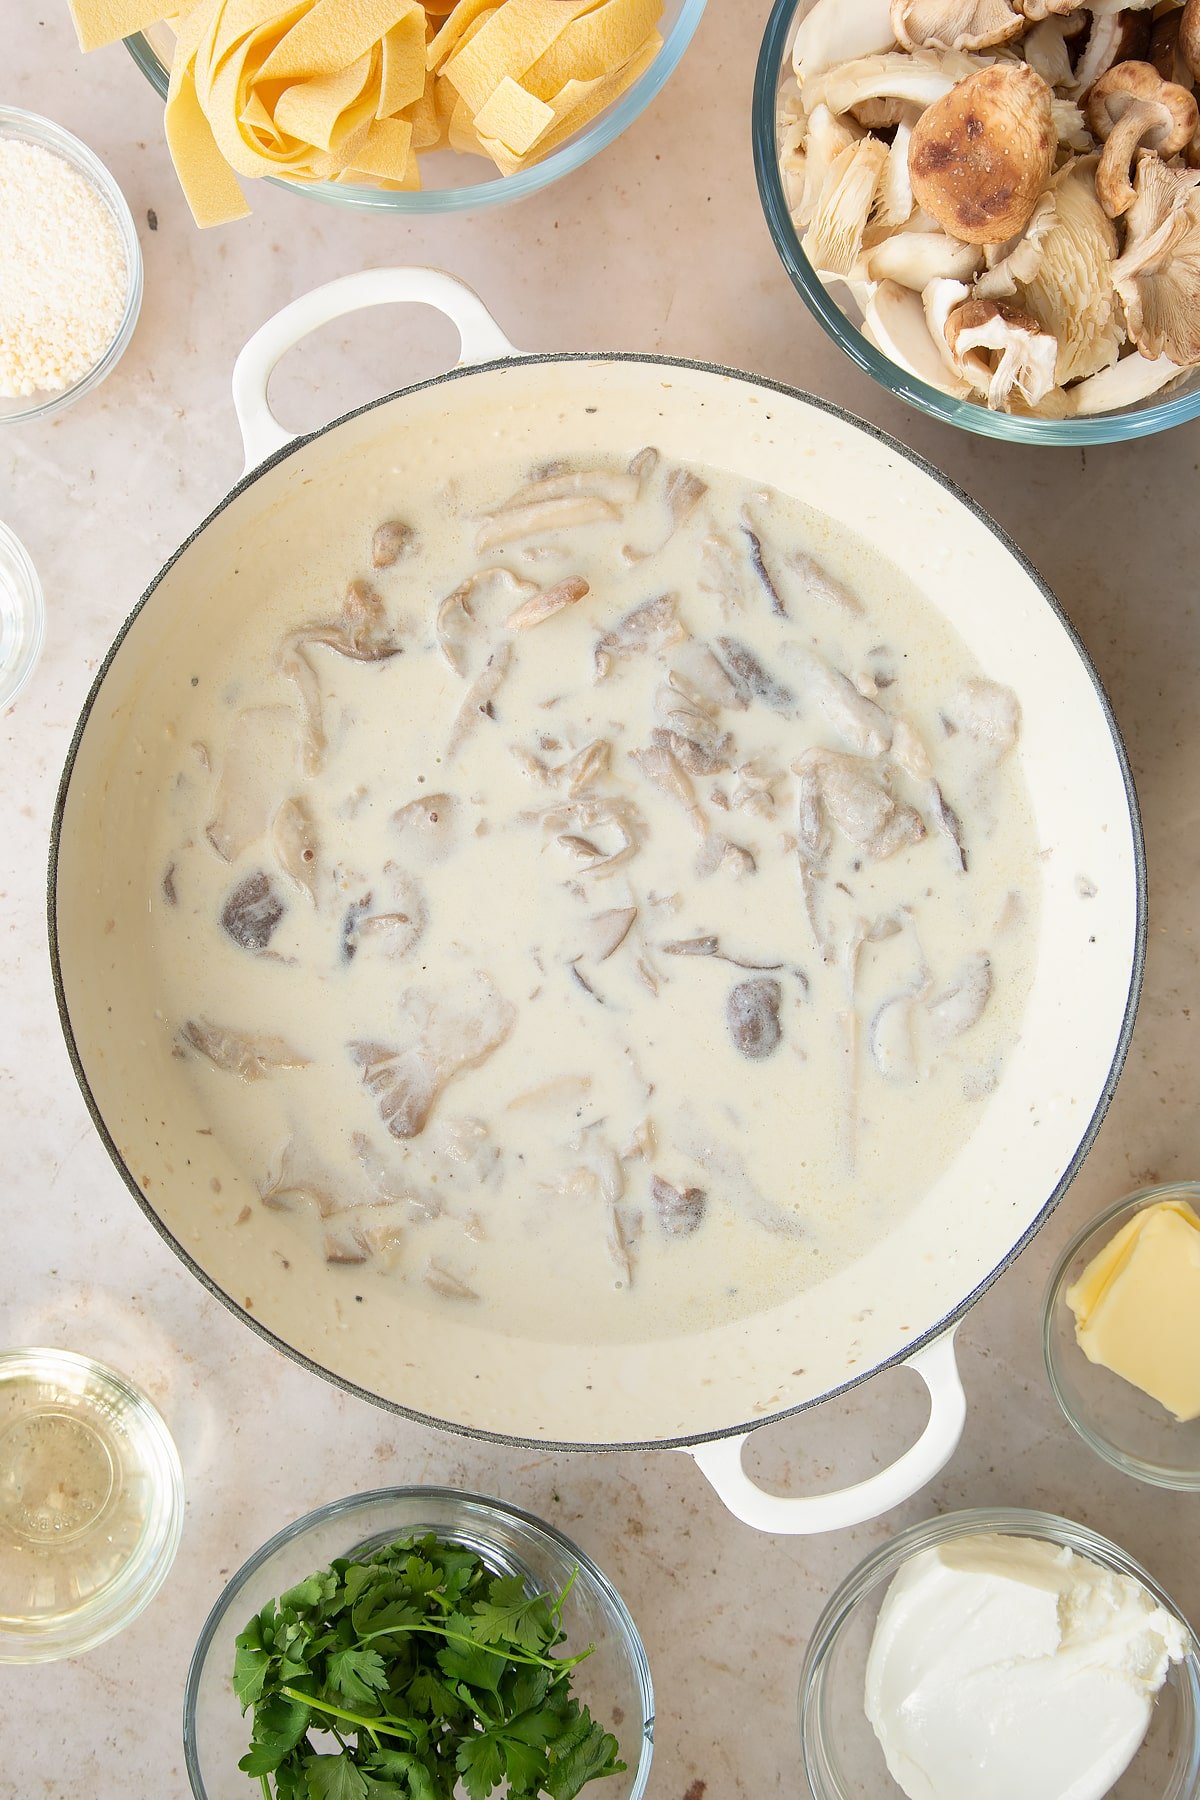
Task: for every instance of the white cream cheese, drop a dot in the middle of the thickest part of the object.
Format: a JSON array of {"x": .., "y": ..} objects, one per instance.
[{"x": 1008, "y": 1665}]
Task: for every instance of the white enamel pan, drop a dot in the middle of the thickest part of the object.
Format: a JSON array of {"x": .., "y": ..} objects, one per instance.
[{"x": 901, "y": 1301}]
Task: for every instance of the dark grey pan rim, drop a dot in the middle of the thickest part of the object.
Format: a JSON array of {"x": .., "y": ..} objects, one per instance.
[{"x": 762, "y": 384}]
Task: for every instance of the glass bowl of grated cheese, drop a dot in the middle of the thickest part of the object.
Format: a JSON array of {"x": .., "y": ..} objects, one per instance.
[{"x": 70, "y": 269}]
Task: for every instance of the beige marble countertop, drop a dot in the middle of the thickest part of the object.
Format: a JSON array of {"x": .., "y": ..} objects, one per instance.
[{"x": 658, "y": 244}]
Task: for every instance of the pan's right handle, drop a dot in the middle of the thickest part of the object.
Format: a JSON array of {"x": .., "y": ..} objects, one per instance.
[
  {"x": 480, "y": 338},
  {"x": 721, "y": 1462}
]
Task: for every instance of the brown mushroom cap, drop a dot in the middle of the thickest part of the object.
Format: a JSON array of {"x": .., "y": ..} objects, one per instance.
[
  {"x": 1131, "y": 108},
  {"x": 981, "y": 155},
  {"x": 1189, "y": 37}
]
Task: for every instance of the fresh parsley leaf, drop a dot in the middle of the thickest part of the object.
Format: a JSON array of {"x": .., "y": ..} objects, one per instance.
[
  {"x": 358, "y": 1674},
  {"x": 251, "y": 1663},
  {"x": 279, "y": 1724},
  {"x": 334, "y": 1778},
  {"x": 591, "y": 1753},
  {"x": 405, "y": 1774},
  {"x": 480, "y": 1762},
  {"x": 467, "y": 1662},
  {"x": 511, "y": 1616}
]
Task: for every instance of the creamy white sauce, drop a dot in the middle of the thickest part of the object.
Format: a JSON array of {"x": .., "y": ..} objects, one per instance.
[{"x": 524, "y": 1188}]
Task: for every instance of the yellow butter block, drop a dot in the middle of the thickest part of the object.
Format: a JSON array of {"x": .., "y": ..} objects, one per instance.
[
  {"x": 402, "y": 72},
  {"x": 516, "y": 35},
  {"x": 594, "y": 46},
  {"x": 514, "y": 116},
  {"x": 1137, "y": 1306},
  {"x": 100, "y": 22}
]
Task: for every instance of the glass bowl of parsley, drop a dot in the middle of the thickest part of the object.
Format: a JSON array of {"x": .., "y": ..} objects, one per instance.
[{"x": 419, "y": 1644}]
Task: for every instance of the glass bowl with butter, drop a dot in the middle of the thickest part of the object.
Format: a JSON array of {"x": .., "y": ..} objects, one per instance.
[
  {"x": 1121, "y": 1335},
  {"x": 997, "y": 1652}
]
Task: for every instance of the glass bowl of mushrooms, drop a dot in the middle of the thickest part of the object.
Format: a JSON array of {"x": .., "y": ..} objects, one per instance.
[{"x": 993, "y": 206}]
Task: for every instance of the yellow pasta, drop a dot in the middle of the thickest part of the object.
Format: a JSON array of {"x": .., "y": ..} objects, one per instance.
[{"x": 355, "y": 91}]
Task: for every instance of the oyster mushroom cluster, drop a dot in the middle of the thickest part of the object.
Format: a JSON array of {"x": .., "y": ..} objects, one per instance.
[{"x": 1008, "y": 190}]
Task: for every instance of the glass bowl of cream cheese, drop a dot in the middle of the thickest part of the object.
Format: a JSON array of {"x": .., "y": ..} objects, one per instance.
[
  {"x": 1121, "y": 1335},
  {"x": 1001, "y": 1652}
]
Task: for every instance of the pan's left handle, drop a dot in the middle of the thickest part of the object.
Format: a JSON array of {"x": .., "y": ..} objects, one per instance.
[
  {"x": 721, "y": 1462},
  {"x": 480, "y": 338}
]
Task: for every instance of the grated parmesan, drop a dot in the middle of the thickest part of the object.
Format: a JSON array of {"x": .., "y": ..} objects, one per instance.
[{"x": 63, "y": 272}]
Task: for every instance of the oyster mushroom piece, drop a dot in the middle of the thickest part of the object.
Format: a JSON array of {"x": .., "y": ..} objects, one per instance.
[
  {"x": 1044, "y": 47},
  {"x": 361, "y": 633},
  {"x": 1071, "y": 291},
  {"x": 252, "y": 912},
  {"x": 894, "y": 321},
  {"x": 839, "y": 31},
  {"x": 566, "y": 514},
  {"x": 894, "y": 201},
  {"x": 956, "y": 24},
  {"x": 1132, "y": 108},
  {"x": 825, "y": 138},
  {"x": 915, "y": 258},
  {"x": 455, "y": 615},
  {"x": 247, "y": 1054},
  {"x": 427, "y": 827},
  {"x": 399, "y": 925},
  {"x": 454, "y": 1033},
  {"x": 477, "y": 702},
  {"x": 985, "y": 711},
  {"x": 391, "y": 540},
  {"x": 962, "y": 1003},
  {"x": 654, "y": 621},
  {"x": 1118, "y": 34},
  {"x": 861, "y": 725},
  {"x": 618, "y": 487},
  {"x": 835, "y": 232},
  {"x": 543, "y": 606},
  {"x": 982, "y": 154},
  {"x": 1125, "y": 383},
  {"x": 752, "y": 681},
  {"x": 1158, "y": 278},
  {"x": 664, "y": 772},
  {"x": 259, "y": 755},
  {"x": 923, "y": 77},
  {"x": 752, "y": 1015},
  {"x": 1018, "y": 261},
  {"x": 294, "y": 841},
  {"x": 1018, "y": 357},
  {"x": 851, "y": 791},
  {"x": 680, "y": 1211}
]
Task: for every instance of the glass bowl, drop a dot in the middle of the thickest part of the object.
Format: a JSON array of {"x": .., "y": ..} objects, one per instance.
[
  {"x": 457, "y": 183},
  {"x": 22, "y": 617},
  {"x": 842, "y": 1757},
  {"x": 29, "y": 128},
  {"x": 774, "y": 68},
  {"x": 1120, "y": 1423},
  {"x": 615, "y": 1681},
  {"x": 91, "y": 1504}
]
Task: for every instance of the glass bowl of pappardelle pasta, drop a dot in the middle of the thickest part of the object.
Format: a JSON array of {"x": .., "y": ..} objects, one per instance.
[{"x": 455, "y": 182}]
